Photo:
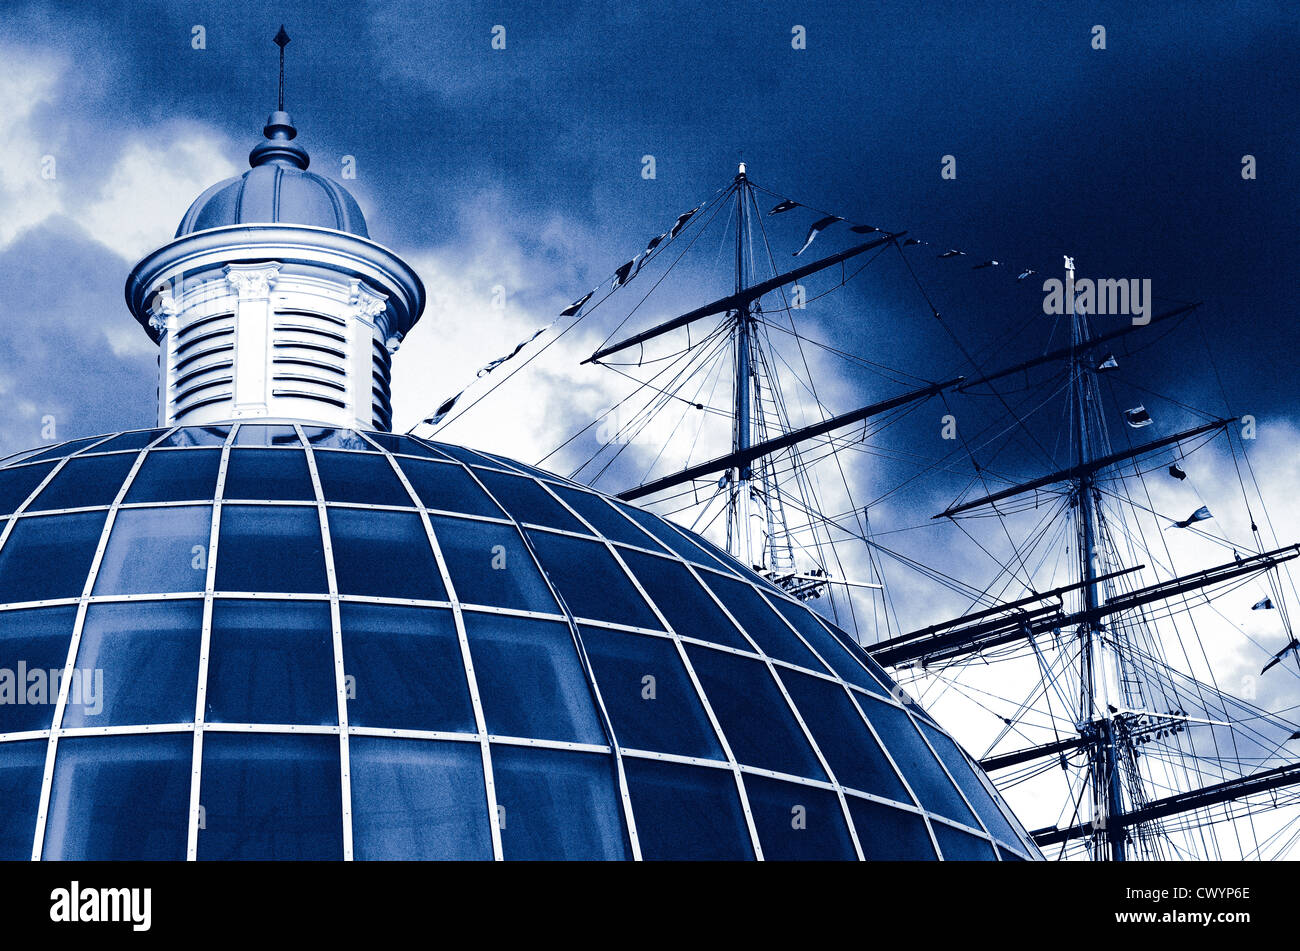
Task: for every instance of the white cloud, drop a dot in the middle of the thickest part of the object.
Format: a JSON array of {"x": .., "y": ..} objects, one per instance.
[
  {"x": 153, "y": 182},
  {"x": 485, "y": 295},
  {"x": 27, "y": 82}
]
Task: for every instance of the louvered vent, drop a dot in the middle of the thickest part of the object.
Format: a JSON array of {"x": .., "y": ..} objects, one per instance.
[
  {"x": 202, "y": 364},
  {"x": 310, "y": 357}
]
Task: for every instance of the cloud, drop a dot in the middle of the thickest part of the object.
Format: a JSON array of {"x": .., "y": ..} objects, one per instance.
[
  {"x": 151, "y": 185},
  {"x": 27, "y": 197},
  {"x": 486, "y": 293}
]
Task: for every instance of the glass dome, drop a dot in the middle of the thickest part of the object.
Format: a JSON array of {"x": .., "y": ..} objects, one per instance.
[{"x": 275, "y": 642}]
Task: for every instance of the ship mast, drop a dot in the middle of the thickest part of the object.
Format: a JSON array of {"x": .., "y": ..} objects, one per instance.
[
  {"x": 740, "y": 542},
  {"x": 1098, "y": 701}
]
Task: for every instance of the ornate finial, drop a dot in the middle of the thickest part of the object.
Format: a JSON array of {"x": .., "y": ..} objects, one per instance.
[
  {"x": 281, "y": 40},
  {"x": 279, "y": 130}
]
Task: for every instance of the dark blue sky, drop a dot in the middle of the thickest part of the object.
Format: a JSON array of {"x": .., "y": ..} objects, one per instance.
[{"x": 1127, "y": 157}]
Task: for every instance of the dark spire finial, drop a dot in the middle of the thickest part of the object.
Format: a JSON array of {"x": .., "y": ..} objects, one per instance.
[
  {"x": 281, "y": 40},
  {"x": 279, "y": 131}
]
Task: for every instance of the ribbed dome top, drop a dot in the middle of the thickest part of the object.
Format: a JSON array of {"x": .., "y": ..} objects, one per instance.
[{"x": 277, "y": 189}]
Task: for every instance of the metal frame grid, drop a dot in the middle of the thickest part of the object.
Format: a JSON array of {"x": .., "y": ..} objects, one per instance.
[{"x": 312, "y": 442}]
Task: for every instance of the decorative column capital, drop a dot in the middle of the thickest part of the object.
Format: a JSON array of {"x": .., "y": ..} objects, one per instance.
[
  {"x": 252, "y": 281},
  {"x": 366, "y": 304}
]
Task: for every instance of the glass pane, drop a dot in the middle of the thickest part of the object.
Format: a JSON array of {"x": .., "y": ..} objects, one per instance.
[
  {"x": 336, "y": 439},
  {"x": 359, "y": 477},
  {"x": 48, "y": 558},
  {"x": 957, "y": 846},
  {"x": 853, "y": 753},
  {"x": 176, "y": 476},
  {"x": 267, "y": 548},
  {"x": 13, "y": 458},
  {"x": 418, "y": 799},
  {"x": 138, "y": 663},
  {"x": 407, "y": 446},
  {"x": 136, "y": 440},
  {"x": 591, "y": 582},
  {"x": 673, "y": 539},
  {"x": 81, "y": 483},
  {"x": 557, "y": 805},
  {"x": 462, "y": 454},
  {"x": 415, "y": 446},
  {"x": 683, "y": 600},
  {"x": 1009, "y": 856},
  {"x": 887, "y": 834},
  {"x": 760, "y": 622},
  {"x": 854, "y": 648},
  {"x": 526, "y": 501},
  {"x": 797, "y": 822},
  {"x": 649, "y": 696},
  {"x": 66, "y": 449},
  {"x": 447, "y": 486},
  {"x": 268, "y": 796},
  {"x": 33, "y": 654},
  {"x": 963, "y": 771},
  {"x": 268, "y": 476},
  {"x": 406, "y": 667},
  {"x": 197, "y": 436},
  {"x": 605, "y": 518},
  {"x": 505, "y": 463},
  {"x": 754, "y": 716},
  {"x": 120, "y": 797},
  {"x": 22, "y": 765},
  {"x": 271, "y": 662},
  {"x": 156, "y": 550},
  {"x": 830, "y": 649},
  {"x": 252, "y": 434},
  {"x": 923, "y": 772},
  {"x": 686, "y": 812},
  {"x": 489, "y": 565},
  {"x": 530, "y": 680},
  {"x": 384, "y": 554},
  {"x": 17, "y": 484},
  {"x": 390, "y": 442}
]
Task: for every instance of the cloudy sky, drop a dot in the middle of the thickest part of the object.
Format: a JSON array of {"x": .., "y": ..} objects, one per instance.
[{"x": 522, "y": 169}]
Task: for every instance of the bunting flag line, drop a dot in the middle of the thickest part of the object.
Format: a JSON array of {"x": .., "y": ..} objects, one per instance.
[
  {"x": 676, "y": 229},
  {"x": 489, "y": 367},
  {"x": 1110, "y": 363},
  {"x": 817, "y": 227},
  {"x": 443, "y": 409},
  {"x": 1265, "y": 604},
  {"x": 1200, "y": 515},
  {"x": 788, "y": 204},
  {"x": 624, "y": 273},
  {"x": 577, "y": 305},
  {"x": 1280, "y": 655},
  {"x": 447, "y": 405},
  {"x": 1177, "y": 472},
  {"x": 1137, "y": 417}
]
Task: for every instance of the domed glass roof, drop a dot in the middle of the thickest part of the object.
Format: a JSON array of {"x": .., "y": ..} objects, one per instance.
[
  {"x": 283, "y": 642},
  {"x": 277, "y": 189}
]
